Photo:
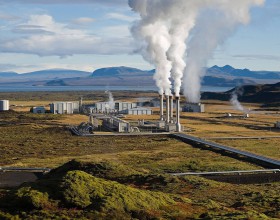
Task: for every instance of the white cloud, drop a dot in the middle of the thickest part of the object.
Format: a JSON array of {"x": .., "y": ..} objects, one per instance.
[
  {"x": 121, "y": 17},
  {"x": 48, "y": 38},
  {"x": 83, "y": 21}
]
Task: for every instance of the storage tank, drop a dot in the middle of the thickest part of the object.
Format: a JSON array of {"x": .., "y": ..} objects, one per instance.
[{"x": 4, "y": 105}]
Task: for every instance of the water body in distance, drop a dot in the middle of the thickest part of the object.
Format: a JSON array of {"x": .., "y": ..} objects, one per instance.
[{"x": 96, "y": 88}]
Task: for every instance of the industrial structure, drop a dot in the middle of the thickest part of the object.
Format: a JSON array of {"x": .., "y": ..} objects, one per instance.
[
  {"x": 4, "y": 105},
  {"x": 116, "y": 124},
  {"x": 107, "y": 107},
  {"x": 138, "y": 111},
  {"x": 167, "y": 121},
  {"x": 127, "y": 108},
  {"x": 64, "y": 107},
  {"x": 39, "y": 110},
  {"x": 194, "y": 107}
]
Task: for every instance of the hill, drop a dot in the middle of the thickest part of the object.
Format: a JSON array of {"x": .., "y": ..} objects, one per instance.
[
  {"x": 42, "y": 75},
  {"x": 267, "y": 94},
  {"x": 120, "y": 71},
  {"x": 230, "y": 71}
]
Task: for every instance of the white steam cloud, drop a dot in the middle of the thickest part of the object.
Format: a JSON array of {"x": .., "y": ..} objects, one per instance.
[
  {"x": 179, "y": 36},
  {"x": 236, "y": 104},
  {"x": 111, "y": 100}
]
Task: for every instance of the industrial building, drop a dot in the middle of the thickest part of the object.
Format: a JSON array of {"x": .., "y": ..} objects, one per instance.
[
  {"x": 115, "y": 124},
  {"x": 116, "y": 107},
  {"x": 64, "y": 107},
  {"x": 102, "y": 107},
  {"x": 39, "y": 110},
  {"x": 194, "y": 107},
  {"x": 138, "y": 111},
  {"x": 4, "y": 105}
]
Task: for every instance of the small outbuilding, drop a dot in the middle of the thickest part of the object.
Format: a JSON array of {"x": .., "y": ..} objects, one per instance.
[{"x": 39, "y": 110}]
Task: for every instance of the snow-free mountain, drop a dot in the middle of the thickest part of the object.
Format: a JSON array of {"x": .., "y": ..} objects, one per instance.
[{"x": 127, "y": 76}]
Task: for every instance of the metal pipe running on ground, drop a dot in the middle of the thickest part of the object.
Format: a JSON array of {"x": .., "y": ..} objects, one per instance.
[{"x": 228, "y": 172}]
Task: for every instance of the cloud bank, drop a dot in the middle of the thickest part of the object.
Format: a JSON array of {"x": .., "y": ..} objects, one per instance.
[{"x": 43, "y": 36}]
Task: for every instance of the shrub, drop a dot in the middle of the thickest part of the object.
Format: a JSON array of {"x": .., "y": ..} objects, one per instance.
[{"x": 32, "y": 198}]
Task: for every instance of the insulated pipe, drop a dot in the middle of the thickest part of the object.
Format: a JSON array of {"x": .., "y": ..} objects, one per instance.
[
  {"x": 178, "y": 125},
  {"x": 171, "y": 109},
  {"x": 161, "y": 107},
  {"x": 167, "y": 109}
]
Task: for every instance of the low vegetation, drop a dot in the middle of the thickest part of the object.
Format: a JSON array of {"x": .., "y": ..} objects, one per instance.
[
  {"x": 129, "y": 178},
  {"x": 79, "y": 190}
]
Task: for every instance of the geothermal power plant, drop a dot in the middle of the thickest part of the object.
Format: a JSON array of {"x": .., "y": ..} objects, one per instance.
[{"x": 167, "y": 120}]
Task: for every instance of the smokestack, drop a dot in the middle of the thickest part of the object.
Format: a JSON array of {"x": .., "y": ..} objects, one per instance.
[
  {"x": 178, "y": 125},
  {"x": 171, "y": 109},
  {"x": 167, "y": 109},
  {"x": 161, "y": 107}
]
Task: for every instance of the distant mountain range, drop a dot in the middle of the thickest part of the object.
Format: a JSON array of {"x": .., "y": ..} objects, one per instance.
[{"x": 126, "y": 76}]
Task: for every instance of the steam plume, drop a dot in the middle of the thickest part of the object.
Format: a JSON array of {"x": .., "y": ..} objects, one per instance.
[
  {"x": 216, "y": 23},
  {"x": 167, "y": 40},
  {"x": 111, "y": 101},
  {"x": 236, "y": 104}
]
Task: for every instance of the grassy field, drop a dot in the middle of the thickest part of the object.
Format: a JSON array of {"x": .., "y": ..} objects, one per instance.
[
  {"x": 138, "y": 166},
  {"x": 43, "y": 140}
]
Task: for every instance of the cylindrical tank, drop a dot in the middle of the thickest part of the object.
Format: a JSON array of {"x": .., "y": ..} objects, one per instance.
[{"x": 4, "y": 105}]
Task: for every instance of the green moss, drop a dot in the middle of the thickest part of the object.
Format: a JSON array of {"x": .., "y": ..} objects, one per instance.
[
  {"x": 107, "y": 170},
  {"x": 80, "y": 189},
  {"x": 32, "y": 198},
  {"x": 7, "y": 216}
]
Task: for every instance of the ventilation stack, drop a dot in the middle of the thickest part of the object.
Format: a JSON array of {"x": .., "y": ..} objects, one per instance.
[
  {"x": 171, "y": 109},
  {"x": 178, "y": 125},
  {"x": 161, "y": 107},
  {"x": 167, "y": 109}
]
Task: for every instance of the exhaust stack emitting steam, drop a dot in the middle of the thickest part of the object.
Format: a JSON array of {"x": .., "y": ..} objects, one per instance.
[{"x": 179, "y": 36}]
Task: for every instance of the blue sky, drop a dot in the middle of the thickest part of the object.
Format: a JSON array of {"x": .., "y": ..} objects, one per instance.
[{"x": 90, "y": 34}]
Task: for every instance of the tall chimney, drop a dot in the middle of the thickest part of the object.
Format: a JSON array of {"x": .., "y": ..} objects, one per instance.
[
  {"x": 171, "y": 109},
  {"x": 161, "y": 107},
  {"x": 167, "y": 109},
  {"x": 178, "y": 125}
]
